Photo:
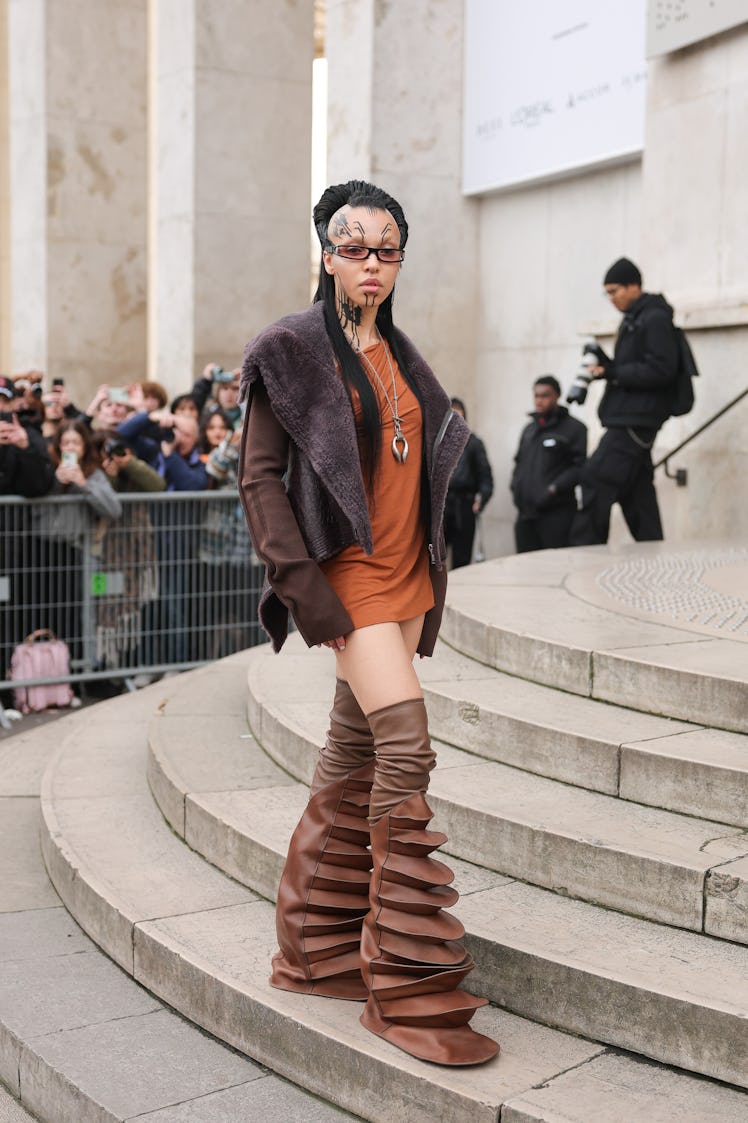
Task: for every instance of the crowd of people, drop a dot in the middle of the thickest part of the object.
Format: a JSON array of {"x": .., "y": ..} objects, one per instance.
[{"x": 185, "y": 588}]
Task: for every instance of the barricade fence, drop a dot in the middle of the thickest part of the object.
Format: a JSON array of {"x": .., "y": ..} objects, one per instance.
[{"x": 171, "y": 584}]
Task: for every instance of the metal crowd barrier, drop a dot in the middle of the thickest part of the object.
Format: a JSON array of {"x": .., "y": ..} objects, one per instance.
[{"x": 172, "y": 584}]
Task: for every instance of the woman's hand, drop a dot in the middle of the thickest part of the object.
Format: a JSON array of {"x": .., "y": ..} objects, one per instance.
[
  {"x": 337, "y": 644},
  {"x": 163, "y": 418},
  {"x": 70, "y": 474}
]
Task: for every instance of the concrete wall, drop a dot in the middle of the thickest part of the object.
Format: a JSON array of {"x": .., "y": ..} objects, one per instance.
[
  {"x": 231, "y": 85},
  {"x": 681, "y": 213},
  {"x": 395, "y": 94},
  {"x": 77, "y": 173},
  {"x": 5, "y": 314},
  {"x": 543, "y": 253}
]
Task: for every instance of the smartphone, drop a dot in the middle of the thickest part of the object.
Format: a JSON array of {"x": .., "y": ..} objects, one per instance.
[
  {"x": 58, "y": 382},
  {"x": 70, "y": 459},
  {"x": 118, "y": 394}
]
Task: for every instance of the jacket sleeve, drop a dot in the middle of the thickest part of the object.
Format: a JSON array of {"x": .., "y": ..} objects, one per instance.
[
  {"x": 657, "y": 365},
  {"x": 201, "y": 391},
  {"x": 34, "y": 472},
  {"x": 295, "y": 578},
  {"x": 100, "y": 496},
  {"x": 139, "y": 476},
  {"x": 184, "y": 476},
  {"x": 568, "y": 478},
  {"x": 483, "y": 473}
]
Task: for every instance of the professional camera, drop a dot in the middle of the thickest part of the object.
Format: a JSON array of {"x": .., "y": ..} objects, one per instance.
[
  {"x": 578, "y": 390},
  {"x": 592, "y": 356},
  {"x": 115, "y": 447},
  {"x": 221, "y": 375}
]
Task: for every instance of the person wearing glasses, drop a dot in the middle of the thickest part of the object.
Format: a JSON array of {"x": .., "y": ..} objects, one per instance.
[
  {"x": 639, "y": 384},
  {"x": 348, "y": 446}
]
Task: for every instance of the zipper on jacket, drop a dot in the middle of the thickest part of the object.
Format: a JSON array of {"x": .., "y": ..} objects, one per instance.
[
  {"x": 440, "y": 435},
  {"x": 439, "y": 438}
]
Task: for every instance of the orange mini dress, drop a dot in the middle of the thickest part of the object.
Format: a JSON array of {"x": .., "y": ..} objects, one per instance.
[{"x": 392, "y": 583}]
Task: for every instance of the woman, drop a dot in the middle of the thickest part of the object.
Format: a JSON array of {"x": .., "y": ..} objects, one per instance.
[
  {"x": 66, "y": 537},
  {"x": 128, "y": 548},
  {"x": 214, "y": 428},
  {"x": 348, "y": 446},
  {"x": 230, "y": 576}
]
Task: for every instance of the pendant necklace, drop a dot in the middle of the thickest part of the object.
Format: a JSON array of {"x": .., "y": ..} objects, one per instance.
[{"x": 400, "y": 454}]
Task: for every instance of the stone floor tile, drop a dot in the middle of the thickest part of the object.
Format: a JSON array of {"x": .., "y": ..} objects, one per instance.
[
  {"x": 11, "y": 1111},
  {"x": 612, "y": 1088},
  {"x": 266, "y": 1100},
  {"x": 23, "y": 880},
  {"x": 134, "y": 1065},
  {"x": 45, "y": 996}
]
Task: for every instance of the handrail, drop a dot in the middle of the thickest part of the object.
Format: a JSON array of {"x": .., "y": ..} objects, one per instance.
[{"x": 696, "y": 433}]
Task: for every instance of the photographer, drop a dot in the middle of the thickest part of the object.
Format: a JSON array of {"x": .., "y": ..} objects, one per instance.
[
  {"x": 639, "y": 385},
  {"x": 146, "y": 432},
  {"x": 222, "y": 386},
  {"x": 25, "y": 467},
  {"x": 126, "y": 473},
  {"x": 547, "y": 466}
]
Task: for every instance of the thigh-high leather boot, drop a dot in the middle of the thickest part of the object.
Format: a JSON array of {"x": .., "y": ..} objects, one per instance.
[
  {"x": 411, "y": 958},
  {"x": 324, "y": 890}
]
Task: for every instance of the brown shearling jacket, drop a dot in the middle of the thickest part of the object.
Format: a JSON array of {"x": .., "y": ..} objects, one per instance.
[{"x": 301, "y": 483}]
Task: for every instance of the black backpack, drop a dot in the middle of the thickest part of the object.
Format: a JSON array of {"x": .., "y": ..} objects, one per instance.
[{"x": 682, "y": 396}]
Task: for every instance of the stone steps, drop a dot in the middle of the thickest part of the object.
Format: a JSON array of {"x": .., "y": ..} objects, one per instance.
[
  {"x": 654, "y": 864},
  {"x": 80, "y": 1041},
  {"x": 202, "y": 943},
  {"x": 659, "y": 762},
  {"x": 668, "y": 994},
  {"x": 537, "y": 620}
]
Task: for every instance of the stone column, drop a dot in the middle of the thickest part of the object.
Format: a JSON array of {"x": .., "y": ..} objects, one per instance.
[
  {"x": 231, "y": 89},
  {"x": 395, "y": 92},
  {"x": 5, "y": 320},
  {"x": 77, "y": 130}
]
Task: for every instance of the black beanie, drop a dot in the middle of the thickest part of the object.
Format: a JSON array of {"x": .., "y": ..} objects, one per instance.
[{"x": 623, "y": 272}]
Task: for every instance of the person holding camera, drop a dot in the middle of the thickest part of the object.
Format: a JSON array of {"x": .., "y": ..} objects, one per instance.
[
  {"x": 552, "y": 450},
  {"x": 639, "y": 384},
  {"x": 219, "y": 389},
  {"x": 25, "y": 467},
  {"x": 125, "y": 471}
]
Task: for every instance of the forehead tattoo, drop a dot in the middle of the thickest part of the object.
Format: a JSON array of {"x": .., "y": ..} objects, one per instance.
[{"x": 341, "y": 226}]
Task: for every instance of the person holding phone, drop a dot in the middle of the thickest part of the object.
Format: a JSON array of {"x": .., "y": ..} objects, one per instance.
[
  {"x": 25, "y": 467},
  {"x": 63, "y": 533}
]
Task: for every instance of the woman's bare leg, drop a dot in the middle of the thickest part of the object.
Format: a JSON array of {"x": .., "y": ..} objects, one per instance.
[{"x": 377, "y": 662}]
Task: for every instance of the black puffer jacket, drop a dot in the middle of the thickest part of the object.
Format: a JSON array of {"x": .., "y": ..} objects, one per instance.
[
  {"x": 551, "y": 453},
  {"x": 641, "y": 377}
]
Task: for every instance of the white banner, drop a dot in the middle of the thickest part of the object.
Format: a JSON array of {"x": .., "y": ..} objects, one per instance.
[
  {"x": 550, "y": 88},
  {"x": 673, "y": 24}
]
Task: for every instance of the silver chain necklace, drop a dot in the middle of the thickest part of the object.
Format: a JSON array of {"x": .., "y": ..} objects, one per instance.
[{"x": 400, "y": 454}]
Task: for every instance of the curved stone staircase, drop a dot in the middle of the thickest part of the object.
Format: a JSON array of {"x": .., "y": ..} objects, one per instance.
[{"x": 593, "y": 781}]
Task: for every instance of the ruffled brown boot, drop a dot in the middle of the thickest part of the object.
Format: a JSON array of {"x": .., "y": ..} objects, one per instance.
[
  {"x": 324, "y": 890},
  {"x": 411, "y": 959}
]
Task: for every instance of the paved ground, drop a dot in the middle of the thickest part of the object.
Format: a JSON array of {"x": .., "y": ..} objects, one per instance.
[{"x": 11, "y": 1111}]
